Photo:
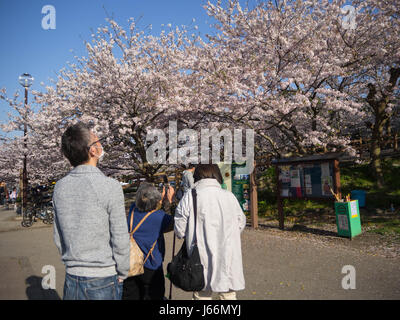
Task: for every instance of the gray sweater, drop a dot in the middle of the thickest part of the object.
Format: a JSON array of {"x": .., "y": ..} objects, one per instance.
[{"x": 90, "y": 227}]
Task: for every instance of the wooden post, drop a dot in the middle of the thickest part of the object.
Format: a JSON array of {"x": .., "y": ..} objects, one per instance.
[
  {"x": 21, "y": 186},
  {"x": 336, "y": 174},
  {"x": 279, "y": 199},
  {"x": 280, "y": 212},
  {"x": 253, "y": 199}
]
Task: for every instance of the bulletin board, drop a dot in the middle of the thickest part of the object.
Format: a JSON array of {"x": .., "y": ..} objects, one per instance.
[
  {"x": 307, "y": 180},
  {"x": 310, "y": 177}
]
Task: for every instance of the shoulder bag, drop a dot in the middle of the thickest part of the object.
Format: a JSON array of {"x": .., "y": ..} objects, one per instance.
[
  {"x": 187, "y": 272},
  {"x": 136, "y": 256}
]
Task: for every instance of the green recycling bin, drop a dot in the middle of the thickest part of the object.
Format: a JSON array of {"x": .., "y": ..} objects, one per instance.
[{"x": 348, "y": 218}]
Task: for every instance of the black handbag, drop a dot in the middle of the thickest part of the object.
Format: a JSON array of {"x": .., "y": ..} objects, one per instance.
[{"x": 186, "y": 272}]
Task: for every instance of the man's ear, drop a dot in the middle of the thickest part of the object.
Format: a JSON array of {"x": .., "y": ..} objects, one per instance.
[{"x": 91, "y": 152}]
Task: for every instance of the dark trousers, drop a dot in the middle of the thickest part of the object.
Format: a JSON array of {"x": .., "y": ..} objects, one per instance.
[{"x": 148, "y": 286}]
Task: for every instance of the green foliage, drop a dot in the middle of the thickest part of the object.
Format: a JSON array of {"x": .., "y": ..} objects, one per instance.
[
  {"x": 387, "y": 227},
  {"x": 360, "y": 177}
]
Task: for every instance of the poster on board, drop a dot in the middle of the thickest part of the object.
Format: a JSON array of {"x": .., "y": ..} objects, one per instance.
[
  {"x": 307, "y": 180},
  {"x": 295, "y": 178},
  {"x": 327, "y": 185}
]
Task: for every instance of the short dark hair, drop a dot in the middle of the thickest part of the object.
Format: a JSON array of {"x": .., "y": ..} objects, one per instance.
[
  {"x": 147, "y": 197},
  {"x": 207, "y": 171},
  {"x": 189, "y": 166},
  {"x": 75, "y": 143}
]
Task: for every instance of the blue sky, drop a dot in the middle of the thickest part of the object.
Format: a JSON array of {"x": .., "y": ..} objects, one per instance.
[{"x": 27, "y": 48}]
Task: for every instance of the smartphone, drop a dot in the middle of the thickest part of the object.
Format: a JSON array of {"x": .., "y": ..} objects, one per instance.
[{"x": 166, "y": 182}]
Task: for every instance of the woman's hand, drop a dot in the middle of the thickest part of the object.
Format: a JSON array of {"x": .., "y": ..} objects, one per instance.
[
  {"x": 163, "y": 193},
  {"x": 170, "y": 194}
]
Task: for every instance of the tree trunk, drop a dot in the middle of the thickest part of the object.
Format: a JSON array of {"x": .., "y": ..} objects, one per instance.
[
  {"x": 381, "y": 118},
  {"x": 388, "y": 138},
  {"x": 376, "y": 164},
  {"x": 377, "y": 135},
  {"x": 377, "y": 131}
]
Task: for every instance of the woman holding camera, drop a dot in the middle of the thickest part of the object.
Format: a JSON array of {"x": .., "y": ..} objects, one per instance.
[{"x": 150, "y": 239}]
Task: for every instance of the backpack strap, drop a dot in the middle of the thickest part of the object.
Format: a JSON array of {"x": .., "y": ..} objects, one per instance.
[
  {"x": 131, "y": 212},
  {"x": 150, "y": 252},
  {"x": 137, "y": 227},
  {"x": 141, "y": 221},
  {"x": 194, "y": 198}
]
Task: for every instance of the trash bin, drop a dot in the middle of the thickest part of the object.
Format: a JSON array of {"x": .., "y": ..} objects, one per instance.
[
  {"x": 348, "y": 218},
  {"x": 360, "y": 196}
]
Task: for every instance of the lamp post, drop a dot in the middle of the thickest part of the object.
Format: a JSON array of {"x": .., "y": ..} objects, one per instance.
[{"x": 26, "y": 81}]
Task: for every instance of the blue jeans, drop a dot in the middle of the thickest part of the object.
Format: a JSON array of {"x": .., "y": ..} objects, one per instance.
[{"x": 84, "y": 288}]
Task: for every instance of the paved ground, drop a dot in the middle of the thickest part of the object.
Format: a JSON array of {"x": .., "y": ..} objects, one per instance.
[{"x": 276, "y": 266}]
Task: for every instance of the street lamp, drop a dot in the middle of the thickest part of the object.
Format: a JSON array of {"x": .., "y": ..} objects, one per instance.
[{"x": 25, "y": 80}]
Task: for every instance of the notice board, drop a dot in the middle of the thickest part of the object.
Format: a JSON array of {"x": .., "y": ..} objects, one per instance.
[
  {"x": 306, "y": 180},
  {"x": 310, "y": 177},
  {"x": 241, "y": 186},
  {"x": 236, "y": 181}
]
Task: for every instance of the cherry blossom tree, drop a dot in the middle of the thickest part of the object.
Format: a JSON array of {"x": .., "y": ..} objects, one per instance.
[
  {"x": 267, "y": 68},
  {"x": 13, "y": 149},
  {"x": 298, "y": 75},
  {"x": 129, "y": 83},
  {"x": 9, "y": 166},
  {"x": 44, "y": 162},
  {"x": 291, "y": 70},
  {"x": 373, "y": 69}
]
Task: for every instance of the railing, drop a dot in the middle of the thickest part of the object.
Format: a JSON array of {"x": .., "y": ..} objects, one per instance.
[{"x": 389, "y": 145}]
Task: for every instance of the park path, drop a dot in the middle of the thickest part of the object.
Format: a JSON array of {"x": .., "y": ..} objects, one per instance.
[{"x": 276, "y": 267}]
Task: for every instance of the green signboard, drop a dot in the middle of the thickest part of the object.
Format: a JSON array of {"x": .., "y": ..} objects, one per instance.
[
  {"x": 241, "y": 186},
  {"x": 236, "y": 181}
]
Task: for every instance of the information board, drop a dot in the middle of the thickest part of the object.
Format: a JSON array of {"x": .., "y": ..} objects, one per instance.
[
  {"x": 237, "y": 182},
  {"x": 306, "y": 180},
  {"x": 241, "y": 186}
]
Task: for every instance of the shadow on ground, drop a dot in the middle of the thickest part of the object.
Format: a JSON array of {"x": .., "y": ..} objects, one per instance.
[
  {"x": 320, "y": 232},
  {"x": 301, "y": 228},
  {"x": 35, "y": 291}
]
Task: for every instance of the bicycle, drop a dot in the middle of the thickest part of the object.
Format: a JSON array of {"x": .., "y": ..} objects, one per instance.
[
  {"x": 39, "y": 207},
  {"x": 27, "y": 218},
  {"x": 46, "y": 212}
]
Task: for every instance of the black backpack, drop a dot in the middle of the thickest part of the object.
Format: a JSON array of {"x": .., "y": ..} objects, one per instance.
[{"x": 187, "y": 273}]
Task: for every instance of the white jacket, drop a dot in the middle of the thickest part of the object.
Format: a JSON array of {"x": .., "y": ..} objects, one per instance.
[{"x": 220, "y": 220}]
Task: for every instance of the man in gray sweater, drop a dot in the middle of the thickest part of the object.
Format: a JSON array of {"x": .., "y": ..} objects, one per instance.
[{"x": 90, "y": 228}]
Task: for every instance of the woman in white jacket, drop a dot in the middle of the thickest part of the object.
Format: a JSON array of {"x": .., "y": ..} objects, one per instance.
[{"x": 220, "y": 221}]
